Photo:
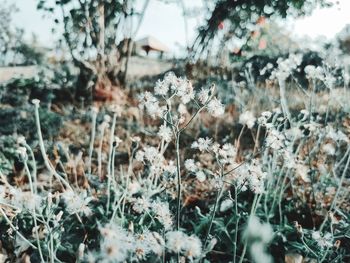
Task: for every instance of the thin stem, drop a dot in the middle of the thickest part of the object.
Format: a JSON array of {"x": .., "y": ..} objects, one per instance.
[
  {"x": 99, "y": 168},
  {"x": 236, "y": 227},
  {"x": 217, "y": 199},
  {"x": 34, "y": 212},
  {"x": 43, "y": 151},
  {"x": 111, "y": 139},
  {"x": 92, "y": 140},
  {"x": 8, "y": 221},
  {"x": 178, "y": 173},
  {"x": 252, "y": 212},
  {"x": 284, "y": 104},
  {"x": 334, "y": 202}
]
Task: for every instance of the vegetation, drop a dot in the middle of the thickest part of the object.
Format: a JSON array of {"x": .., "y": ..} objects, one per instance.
[{"x": 242, "y": 161}]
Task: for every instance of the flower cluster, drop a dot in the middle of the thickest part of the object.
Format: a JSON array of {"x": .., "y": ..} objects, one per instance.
[
  {"x": 172, "y": 89},
  {"x": 179, "y": 242},
  {"x": 117, "y": 245},
  {"x": 286, "y": 67}
]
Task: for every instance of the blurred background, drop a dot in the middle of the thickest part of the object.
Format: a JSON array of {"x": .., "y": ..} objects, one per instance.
[{"x": 88, "y": 49}]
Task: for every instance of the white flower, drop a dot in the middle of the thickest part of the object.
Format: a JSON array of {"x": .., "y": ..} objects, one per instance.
[
  {"x": 179, "y": 242},
  {"x": 76, "y": 203},
  {"x": 182, "y": 109},
  {"x": 183, "y": 89},
  {"x": 192, "y": 247},
  {"x": 265, "y": 116},
  {"x": 216, "y": 108},
  {"x": 116, "y": 243},
  {"x": 162, "y": 212},
  {"x": 148, "y": 101},
  {"x": 24, "y": 200},
  {"x": 134, "y": 187},
  {"x": 227, "y": 153},
  {"x": 117, "y": 109},
  {"x": 107, "y": 118},
  {"x": 226, "y": 205},
  {"x": 289, "y": 158},
  {"x": 257, "y": 231},
  {"x": 190, "y": 165},
  {"x": 148, "y": 242},
  {"x": 170, "y": 78},
  {"x": 286, "y": 66},
  {"x": 22, "y": 152},
  {"x": 161, "y": 88},
  {"x": 36, "y": 102},
  {"x": 203, "y": 95},
  {"x": 141, "y": 205},
  {"x": 200, "y": 175},
  {"x": 247, "y": 118},
  {"x": 140, "y": 156},
  {"x": 275, "y": 139},
  {"x": 323, "y": 241},
  {"x": 151, "y": 153},
  {"x": 202, "y": 144},
  {"x": 328, "y": 148},
  {"x": 259, "y": 254},
  {"x": 174, "y": 241},
  {"x": 155, "y": 242},
  {"x": 165, "y": 133},
  {"x": 21, "y": 140},
  {"x": 337, "y": 136},
  {"x": 170, "y": 168},
  {"x": 313, "y": 72},
  {"x": 252, "y": 174}
]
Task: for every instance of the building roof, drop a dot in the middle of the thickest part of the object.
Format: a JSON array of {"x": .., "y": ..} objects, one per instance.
[{"x": 151, "y": 43}]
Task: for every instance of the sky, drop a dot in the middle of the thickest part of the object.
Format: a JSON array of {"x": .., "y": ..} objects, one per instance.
[{"x": 165, "y": 22}]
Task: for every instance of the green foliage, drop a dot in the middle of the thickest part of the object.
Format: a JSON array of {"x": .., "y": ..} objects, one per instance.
[
  {"x": 14, "y": 50},
  {"x": 241, "y": 16}
]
